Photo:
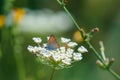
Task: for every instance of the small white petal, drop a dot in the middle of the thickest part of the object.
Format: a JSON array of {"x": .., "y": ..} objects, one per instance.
[
  {"x": 77, "y": 56},
  {"x": 63, "y": 56},
  {"x": 67, "y": 61},
  {"x": 45, "y": 45},
  {"x": 62, "y": 49},
  {"x": 56, "y": 57},
  {"x": 48, "y": 37},
  {"x": 69, "y": 55},
  {"x": 36, "y": 49},
  {"x": 82, "y": 49},
  {"x": 65, "y": 40},
  {"x": 69, "y": 52},
  {"x": 30, "y": 48},
  {"x": 33, "y": 49},
  {"x": 37, "y": 40},
  {"x": 72, "y": 44},
  {"x": 45, "y": 53}
]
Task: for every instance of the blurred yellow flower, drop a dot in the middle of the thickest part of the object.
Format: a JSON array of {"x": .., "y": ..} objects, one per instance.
[
  {"x": 18, "y": 15},
  {"x": 2, "y": 21},
  {"x": 77, "y": 37}
]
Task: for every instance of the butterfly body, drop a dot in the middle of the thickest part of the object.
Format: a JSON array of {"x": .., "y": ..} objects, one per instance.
[{"x": 52, "y": 43}]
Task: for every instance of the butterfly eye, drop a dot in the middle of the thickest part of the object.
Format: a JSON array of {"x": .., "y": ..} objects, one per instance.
[{"x": 52, "y": 43}]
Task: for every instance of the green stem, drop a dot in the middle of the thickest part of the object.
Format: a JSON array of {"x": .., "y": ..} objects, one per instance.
[
  {"x": 90, "y": 45},
  {"x": 114, "y": 73},
  {"x": 75, "y": 22},
  {"x": 101, "y": 59},
  {"x": 52, "y": 74},
  {"x": 72, "y": 18}
]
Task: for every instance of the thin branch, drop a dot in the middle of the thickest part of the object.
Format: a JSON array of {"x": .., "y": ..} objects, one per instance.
[
  {"x": 114, "y": 73},
  {"x": 52, "y": 74},
  {"x": 95, "y": 52},
  {"x": 74, "y": 21}
]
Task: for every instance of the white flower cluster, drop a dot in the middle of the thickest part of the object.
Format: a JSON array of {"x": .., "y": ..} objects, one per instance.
[{"x": 59, "y": 58}]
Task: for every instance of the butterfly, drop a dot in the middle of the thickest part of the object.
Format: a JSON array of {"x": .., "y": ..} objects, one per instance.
[{"x": 52, "y": 43}]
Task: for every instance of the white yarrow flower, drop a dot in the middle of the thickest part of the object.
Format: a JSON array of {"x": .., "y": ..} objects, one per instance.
[{"x": 59, "y": 58}]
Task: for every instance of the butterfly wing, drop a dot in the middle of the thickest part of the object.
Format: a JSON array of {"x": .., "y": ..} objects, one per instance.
[{"x": 52, "y": 43}]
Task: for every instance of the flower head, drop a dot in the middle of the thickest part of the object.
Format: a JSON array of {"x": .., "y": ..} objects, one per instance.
[
  {"x": 37, "y": 40},
  {"x": 59, "y": 57},
  {"x": 77, "y": 56},
  {"x": 65, "y": 40},
  {"x": 72, "y": 44}
]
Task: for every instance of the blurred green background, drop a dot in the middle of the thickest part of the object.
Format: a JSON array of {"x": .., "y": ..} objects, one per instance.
[{"x": 20, "y": 20}]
